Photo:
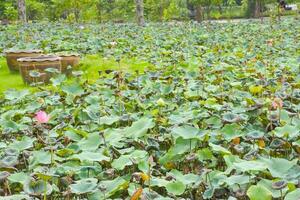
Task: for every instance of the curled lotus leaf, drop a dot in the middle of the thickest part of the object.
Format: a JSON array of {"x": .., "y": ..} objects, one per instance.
[
  {"x": 255, "y": 134},
  {"x": 279, "y": 185},
  {"x": 231, "y": 118},
  {"x": 37, "y": 188},
  {"x": 9, "y": 161}
]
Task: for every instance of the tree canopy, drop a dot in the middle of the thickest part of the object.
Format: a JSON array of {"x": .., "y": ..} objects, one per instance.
[{"x": 125, "y": 10}]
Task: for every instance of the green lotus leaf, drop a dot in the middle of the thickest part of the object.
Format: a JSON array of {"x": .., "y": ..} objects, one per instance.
[
  {"x": 84, "y": 186},
  {"x": 246, "y": 166},
  {"x": 237, "y": 179},
  {"x": 58, "y": 80},
  {"x": 110, "y": 187},
  {"x": 114, "y": 137},
  {"x": 276, "y": 143},
  {"x": 293, "y": 173},
  {"x": 20, "y": 177},
  {"x": 268, "y": 185},
  {"x": 187, "y": 132},
  {"x": 25, "y": 143},
  {"x": 219, "y": 149},
  {"x": 231, "y": 117},
  {"x": 16, "y": 95},
  {"x": 139, "y": 128},
  {"x": 287, "y": 131},
  {"x": 108, "y": 120},
  {"x": 186, "y": 179},
  {"x": 205, "y": 154},
  {"x": 37, "y": 188},
  {"x": 72, "y": 134},
  {"x": 209, "y": 193},
  {"x": 34, "y": 74},
  {"x": 91, "y": 142},
  {"x": 159, "y": 182},
  {"x": 293, "y": 195},
  {"x": 255, "y": 134},
  {"x": 278, "y": 167},
  {"x": 2, "y": 145},
  {"x": 130, "y": 159},
  {"x": 176, "y": 188},
  {"x": 16, "y": 197},
  {"x": 231, "y": 131},
  {"x": 180, "y": 118},
  {"x": 52, "y": 70},
  {"x": 90, "y": 156},
  {"x": 214, "y": 178},
  {"x": 39, "y": 157},
  {"x": 74, "y": 89},
  {"x": 9, "y": 161},
  {"x": 176, "y": 151},
  {"x": 214, "y": 122},
  {"x": 256, "y": 192},
  {"x": 9, "y": 126},
  {"x": 12, "y": 152}
]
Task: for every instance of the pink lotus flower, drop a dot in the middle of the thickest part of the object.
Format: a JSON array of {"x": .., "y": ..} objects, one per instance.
[
  {"x": 277, "y": 103},
  {"x": 42, "y": 117}
]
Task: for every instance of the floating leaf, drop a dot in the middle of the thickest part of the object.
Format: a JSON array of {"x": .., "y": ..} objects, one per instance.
[
  {"x": 39, "y": 187},
  {"x": 176, "y": 188},
  {"x": 256, "y": 89},
  {"x": 256, "y": 192},
  {"x": 20, "y": 177},
  {"x": 73, "y": 89},
  {"x": 25, "y": 143},
  {"x": 90, "y": 156},
  {"x": 84, "y": 186},
  {"x": 293, "y": 195},
  {"x": 187, "y": 132}
]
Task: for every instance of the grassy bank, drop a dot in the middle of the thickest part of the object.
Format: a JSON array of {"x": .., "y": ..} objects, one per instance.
[{"x": 90, "y": 64}]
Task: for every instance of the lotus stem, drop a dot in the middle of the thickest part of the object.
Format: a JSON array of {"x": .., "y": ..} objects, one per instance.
[
  {"x": 7, "y": 186},
  {"x": 45, "y": 190}
]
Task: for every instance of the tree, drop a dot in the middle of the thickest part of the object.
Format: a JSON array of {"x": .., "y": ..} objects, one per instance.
[
  {"x": 254, "y": 8},
  {"x": 140, "y": 12},
  {"x": 22, "y": 10},
  {"x": 177, "y": 10},
  {"x": 200, "y": 5}
]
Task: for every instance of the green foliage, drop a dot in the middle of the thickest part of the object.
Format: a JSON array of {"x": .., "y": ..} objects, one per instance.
[
  {"x": 177, "y": 9},
  {"x": 124, "y": 11},
  {"x": 9, "y": 11},
  {"x": 217, "y": 118},
  {"x": 35, "y": 9}
]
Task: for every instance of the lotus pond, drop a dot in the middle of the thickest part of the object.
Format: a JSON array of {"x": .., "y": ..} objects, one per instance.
[{"x": 215, "y": 116}]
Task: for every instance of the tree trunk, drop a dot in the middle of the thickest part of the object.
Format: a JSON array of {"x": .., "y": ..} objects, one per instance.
[
  {"x": 99, "y": 8},
  {"x": 140, "y": 12},
  {"x": 198, "y": 15},
  {"x": 208, "y": 12},
  {"x": 254, "y": 8},
  {"x": 257, "y": 9},
  {"x": 161, "y": 10},
  {"x": 220, "y": 9},
  {"x": 22, "y": 10}
]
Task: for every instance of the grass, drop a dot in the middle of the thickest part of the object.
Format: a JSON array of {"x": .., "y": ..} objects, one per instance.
[
  {"x": 9, "y": 80},
  {"x": 91, "y": 64},
  {"x": 238, "y": 12},
  {"x": 94, "y": 63}
]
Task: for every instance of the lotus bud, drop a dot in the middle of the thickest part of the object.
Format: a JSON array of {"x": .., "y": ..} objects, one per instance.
[{"x": 160, "y": 102}]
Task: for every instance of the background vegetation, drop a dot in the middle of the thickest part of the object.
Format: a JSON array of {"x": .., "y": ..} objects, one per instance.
[
  {"x": 218, "y": 118},
  {"x": 124, "y": 10}
]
